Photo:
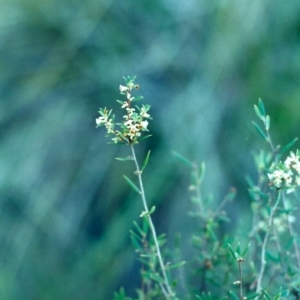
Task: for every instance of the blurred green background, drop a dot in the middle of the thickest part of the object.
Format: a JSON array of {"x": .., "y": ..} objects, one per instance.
[{"x": 65, "y": 209}]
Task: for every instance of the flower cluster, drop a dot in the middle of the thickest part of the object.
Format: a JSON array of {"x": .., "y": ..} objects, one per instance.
[
  {"x": 286, "y": 174},
  {"x": 135, "y": 119}
]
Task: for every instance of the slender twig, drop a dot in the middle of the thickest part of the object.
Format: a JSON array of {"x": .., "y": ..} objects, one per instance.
[
  {"x": 264, "y": 246},
  {"x": 166, "y": 289},
  {"x": 240, "y": 261},
  {"x": 292, "y": 233}
]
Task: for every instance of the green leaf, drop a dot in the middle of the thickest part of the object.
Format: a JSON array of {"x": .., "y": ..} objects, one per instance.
[
  {"x": 202, "y": 171},
  {"x": 256, "y": 109},
  {"x": 245, "y": 250},
  {"x": 253, "y": 296},
  {"x": 261, "y": 107},
  {"x": 272, "y": 256},
  {"x": 121, "y": 102},
  {"x": 238, "y": 249},
  {"x": 288, "y": 146},
  {"x": 182, "y": 159},
  {"x": 212, "y": 234},
  {"x": 144, "y": 137},
  {"x": 151, "y": 211},
  {"x": 135, "y": 242},
  {"x": 267, "y": 123},
  {"x": 145, "y": 161},
  {"x": 259, "y": 130},
  {"x": 268, "y": 296},
  {"x": 234, "y": 295},
  {"x": 125, "y": 139},
  {"x": 124, "y": 158},
  {"x": 137, "y": 98},
  {"x": 178, "y": 265},
  {"x": 156, "y": 277},
  {"x": 139, "y": 229},
  {"x": 132, "y": 184},
  {"x": 231, "y": 251}
]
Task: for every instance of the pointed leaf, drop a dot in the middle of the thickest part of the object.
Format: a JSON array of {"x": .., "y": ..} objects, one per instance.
[
  {"x": 234, "y": 295},
  {"x": 145, "y": 161},
  {"x": 157, "y": 277},
  {"x": 137, "y": 98},
  {"x": 231, "y": 251},
  {"x": 144, "y": 137},
  {"x": 182, "y": 159},
  {"x": 261, "y": 107},
  {"x": 141, "y": 231},
  {"x": 152, "y": 210},
  {"x": 259, "y": 130},
  {"x": 245, "y": 250},
  {"x": 288, "y": 146},
  {"x": 256, "y": 109},
  {"x": 178, "y": 265},
  {"x": 132, "y": 184},
  {"x": 267, "y": 123},
  {"x": 202, "y": 171},
  {"x": 124, "y": 158},
  {"x": 253, "y": 296}
]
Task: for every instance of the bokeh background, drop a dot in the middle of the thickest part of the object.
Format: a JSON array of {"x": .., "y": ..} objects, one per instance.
[{"x": 65, "y": 209}]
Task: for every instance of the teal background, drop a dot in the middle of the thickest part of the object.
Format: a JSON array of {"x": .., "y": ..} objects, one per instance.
[{"x": 65, "y": 210}]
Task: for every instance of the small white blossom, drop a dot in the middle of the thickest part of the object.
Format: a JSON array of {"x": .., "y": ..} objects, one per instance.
[
  {"x": 125, "y": 104},
  {"x": 144, "y": 124},
  {"x": 101, "y": 120},
  {"x": 123, "y": 88},
  {"x": 143, "y": 112}
]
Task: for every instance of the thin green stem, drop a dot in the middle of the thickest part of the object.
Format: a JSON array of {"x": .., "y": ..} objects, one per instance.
[
  {"x": 241, "y": 279},
  {"x": 166, "y": 288},
  {"x": 292, "y": 233},
  {"x": 264, "y": 246}
]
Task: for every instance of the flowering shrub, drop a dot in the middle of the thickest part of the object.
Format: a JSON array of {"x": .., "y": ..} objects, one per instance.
[
  {"x": 219, "y": 270},
  {"x": 286, "y": 174},
  {"x": 135, "y": 122}
]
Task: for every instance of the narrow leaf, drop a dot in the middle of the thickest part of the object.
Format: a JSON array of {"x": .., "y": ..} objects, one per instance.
[
  {"x": 135, "y": 243},
  {"x": 144, "y": 137},
  {"x": 145, "y": 161},
  {"x": 256, "y": 109},
  {"x": 234, "y": 295},
  {"x": 202, "y": 171},
  {"x": 261, "y": 107},
  {"x": 121, "y": 102},
  {"x": 139, "y": 229},
  {"x": 253, "y": 296},
  {"x": 137, "y": 98},
  {"x": 245, "y": 250},
  {"x": 157, "y": 278},
  {"x": 259, "y": 130},
  {"x": 182, "y": 159},
  {"x": 288, "y": 146},
  {"x": 267, "y": 123},
  {"x": 124, "y": 158},
  {"x": 178, "y": 265},
  {"x": 231, "y": 251},
  {"x": 132, "y": 184},
  {"x": 152, "y": 210},
  {"x": 212, "y": 234}
]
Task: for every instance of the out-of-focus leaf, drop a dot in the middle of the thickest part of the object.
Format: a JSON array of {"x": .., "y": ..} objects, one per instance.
[{"x": 132, "y": 184}]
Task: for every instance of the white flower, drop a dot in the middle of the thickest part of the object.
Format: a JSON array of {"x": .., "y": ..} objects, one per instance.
[
  {"x": 125, "y": 104},
  {"x": 101, "y": 120},
  {"x": 143, "y": 112},
  {"x": 144, "y": 124},
  {"x": 123, "y": 88}
]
